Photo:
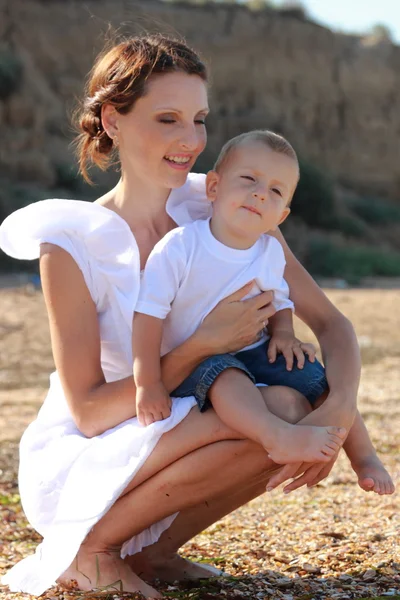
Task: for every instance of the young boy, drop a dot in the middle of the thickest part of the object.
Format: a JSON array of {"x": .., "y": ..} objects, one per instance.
[{"x": 194, "y": 267}]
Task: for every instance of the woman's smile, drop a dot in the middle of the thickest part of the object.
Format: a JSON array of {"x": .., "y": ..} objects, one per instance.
[{"x": 181, "y": 162}]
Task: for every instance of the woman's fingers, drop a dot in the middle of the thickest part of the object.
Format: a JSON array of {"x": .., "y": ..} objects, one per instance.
[
  {"x": 239, "y": 294},
  {"x": 316, "y": 473},
  {"x": 260, "y": 301},
  {"x": 281, "y": 476}
]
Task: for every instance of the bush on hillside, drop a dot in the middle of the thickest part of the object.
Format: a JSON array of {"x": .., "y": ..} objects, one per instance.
[
  {"x": 329, "y": 259},
  {"x": 314, "y": 198},
  {"x": 375, "y": 211},
  {"x": 10, "y": 73}
]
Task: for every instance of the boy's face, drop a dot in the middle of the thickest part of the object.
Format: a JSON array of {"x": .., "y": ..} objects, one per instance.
[{"x": 251, "y": 192}]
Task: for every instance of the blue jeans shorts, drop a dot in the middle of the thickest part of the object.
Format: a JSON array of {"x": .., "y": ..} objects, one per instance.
[{"x": 309, "y": 381}]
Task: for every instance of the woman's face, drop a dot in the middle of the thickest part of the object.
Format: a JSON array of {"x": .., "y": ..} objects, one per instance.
[{"x": 164, "y": 133}]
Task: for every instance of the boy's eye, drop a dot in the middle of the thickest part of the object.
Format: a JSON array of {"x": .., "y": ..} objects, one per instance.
[
  {"x": 200, "y": 122},
  {"x": 167, "y": 121},
  {"x": 277, "y": 191},
  {"x": 247, "y": 177}
]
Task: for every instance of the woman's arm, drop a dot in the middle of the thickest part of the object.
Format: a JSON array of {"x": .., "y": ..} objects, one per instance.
[
  {"x": 336, "y": 337},
  {"x": 96, "y": 405}
]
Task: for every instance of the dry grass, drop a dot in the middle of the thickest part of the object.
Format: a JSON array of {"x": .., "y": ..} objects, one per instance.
[{"x": 333, "y": 541}]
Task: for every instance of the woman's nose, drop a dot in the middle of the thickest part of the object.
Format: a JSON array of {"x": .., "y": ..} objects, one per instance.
[{"x": 190, "y": 139}]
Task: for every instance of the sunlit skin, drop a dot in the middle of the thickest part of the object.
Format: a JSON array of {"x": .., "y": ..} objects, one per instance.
[
  {"x": 167, "y": 123},
  {"x": 251, "y": 193}
]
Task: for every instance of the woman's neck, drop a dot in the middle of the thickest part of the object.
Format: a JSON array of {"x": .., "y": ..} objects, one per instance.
[{"x": 139, "y": 203}]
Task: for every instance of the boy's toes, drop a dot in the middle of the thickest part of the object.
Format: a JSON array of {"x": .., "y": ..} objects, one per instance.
[
  {"x": 367, "y": 484},
  {"x": 337, "y": 431},
  {"x": 330, "y": 450}
]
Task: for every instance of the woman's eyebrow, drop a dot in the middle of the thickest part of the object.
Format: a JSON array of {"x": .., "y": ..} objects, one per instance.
[{"x": 178, "y": 111}]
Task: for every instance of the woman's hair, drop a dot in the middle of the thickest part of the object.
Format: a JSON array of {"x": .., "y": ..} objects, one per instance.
[
  {"x": 119, "y": 78},
  {"x": 272, "y": 140}
]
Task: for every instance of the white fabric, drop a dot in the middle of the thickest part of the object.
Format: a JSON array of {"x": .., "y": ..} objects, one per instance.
[
  {"x": 67, "y": 481},
  {"x": 189, "y": 271}
]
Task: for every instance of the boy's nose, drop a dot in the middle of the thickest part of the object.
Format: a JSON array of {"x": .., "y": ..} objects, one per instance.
[{"x": 260, "y": 196}]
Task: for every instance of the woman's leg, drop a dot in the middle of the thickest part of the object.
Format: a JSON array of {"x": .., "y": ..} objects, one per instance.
[
  {"x": 198, "y": 476},
  {"x": 161, "y": 560}
]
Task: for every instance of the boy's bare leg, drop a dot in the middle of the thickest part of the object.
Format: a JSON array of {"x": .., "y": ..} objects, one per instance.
[
  {"x": 161, "y": 560},
  {"x": 372, "y": 475},
  {"x": 240, "y": 405}
]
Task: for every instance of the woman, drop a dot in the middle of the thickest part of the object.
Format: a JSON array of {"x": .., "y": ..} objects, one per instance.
[{"x": 98, "y": 487}]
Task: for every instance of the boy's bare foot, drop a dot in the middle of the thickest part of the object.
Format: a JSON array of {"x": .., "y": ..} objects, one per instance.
[
  {"x": 103, "y": 571},
  {"x": 296, "y": 443},
  {"x": 372, "y": 476},
  {"x": 170, "y": 569}
]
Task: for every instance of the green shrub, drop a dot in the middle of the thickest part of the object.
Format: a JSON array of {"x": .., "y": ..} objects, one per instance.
[
  {"x": 10, "y": 73},
  {"x": 349, "y": 226},
  {"x": 328, "y": 259},
  {"x": 67, "y": 176},
  {"x": 375, "y": 211},
  {"x": 314, "y": 198}
]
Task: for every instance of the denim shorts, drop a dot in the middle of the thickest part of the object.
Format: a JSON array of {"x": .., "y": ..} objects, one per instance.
[{"x": 309, "y": 381}]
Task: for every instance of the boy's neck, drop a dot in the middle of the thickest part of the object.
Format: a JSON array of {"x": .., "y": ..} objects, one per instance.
[{"x": 229, "y": 237}]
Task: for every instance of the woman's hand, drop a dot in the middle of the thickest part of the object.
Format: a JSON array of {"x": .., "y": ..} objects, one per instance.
[
  {"x": 308, "y": 474},
  {"x": 235, "y": 323}
]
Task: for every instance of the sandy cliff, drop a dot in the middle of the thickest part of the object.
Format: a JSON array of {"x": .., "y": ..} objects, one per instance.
[{"x": 334, "y": 96}]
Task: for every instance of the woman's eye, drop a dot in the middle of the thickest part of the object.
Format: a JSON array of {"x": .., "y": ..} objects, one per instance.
[
  {"x": 167, "y": 121},
  {"x": 247, "y": 177},
  {"x": 200, "y": 122}
]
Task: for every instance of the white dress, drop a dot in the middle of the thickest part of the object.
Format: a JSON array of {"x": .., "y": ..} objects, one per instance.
[{"x": 67, "y": 481}]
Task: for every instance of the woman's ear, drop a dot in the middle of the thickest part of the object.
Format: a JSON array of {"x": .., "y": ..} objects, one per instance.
[
  {"x": 109, "y": 119},
  {"x": 212, "y": 180}
]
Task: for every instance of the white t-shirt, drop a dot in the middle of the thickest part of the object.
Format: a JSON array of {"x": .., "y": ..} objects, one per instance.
[{"x": 189, "y": 271}]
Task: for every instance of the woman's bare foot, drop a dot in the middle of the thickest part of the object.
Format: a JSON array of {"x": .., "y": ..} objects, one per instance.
[
  {"x": 103, "y": 571},
  {"x": 372, "y": 476},
  {"x": 306, "y": 443},
  {"x": 173, "y": 568}
]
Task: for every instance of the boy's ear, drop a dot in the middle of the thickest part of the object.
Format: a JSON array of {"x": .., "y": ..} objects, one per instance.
[
  {"x": 212, "y": 180},
  {"x": 284, "y": 216}
]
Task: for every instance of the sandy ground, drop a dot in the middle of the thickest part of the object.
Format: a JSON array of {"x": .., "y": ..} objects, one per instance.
[{"x": 333, "y": 541}]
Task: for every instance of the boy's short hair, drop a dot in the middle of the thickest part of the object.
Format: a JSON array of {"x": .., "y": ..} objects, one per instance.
[{"x": 272, "y": 140}]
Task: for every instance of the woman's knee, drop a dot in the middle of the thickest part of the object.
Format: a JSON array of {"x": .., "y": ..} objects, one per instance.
[{"x": 286, "y": 403}]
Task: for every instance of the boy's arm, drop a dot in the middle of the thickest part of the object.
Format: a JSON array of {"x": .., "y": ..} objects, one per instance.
[
  {"x": 159, "y": 285},
  {"x": 282, "y": 320},
  {"x": 284, "y": 341},
  {"x": 152, "y": 400},
  {"x": 280, "y": 325}
]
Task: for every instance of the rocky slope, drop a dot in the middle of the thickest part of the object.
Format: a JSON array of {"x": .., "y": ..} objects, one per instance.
[{"x": 334, "y": 96}]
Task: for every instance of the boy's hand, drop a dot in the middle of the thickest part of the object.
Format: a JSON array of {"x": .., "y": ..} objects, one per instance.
[
  {"x": 285, "y": 342},
  {"x": 152, "y": 404}
]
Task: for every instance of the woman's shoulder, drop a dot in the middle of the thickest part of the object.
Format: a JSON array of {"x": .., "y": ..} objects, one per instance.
[
  {"x": 99, "y": 241},
  {"x": 189, "y": 202},
  {"x": 56, "y": 220}
]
